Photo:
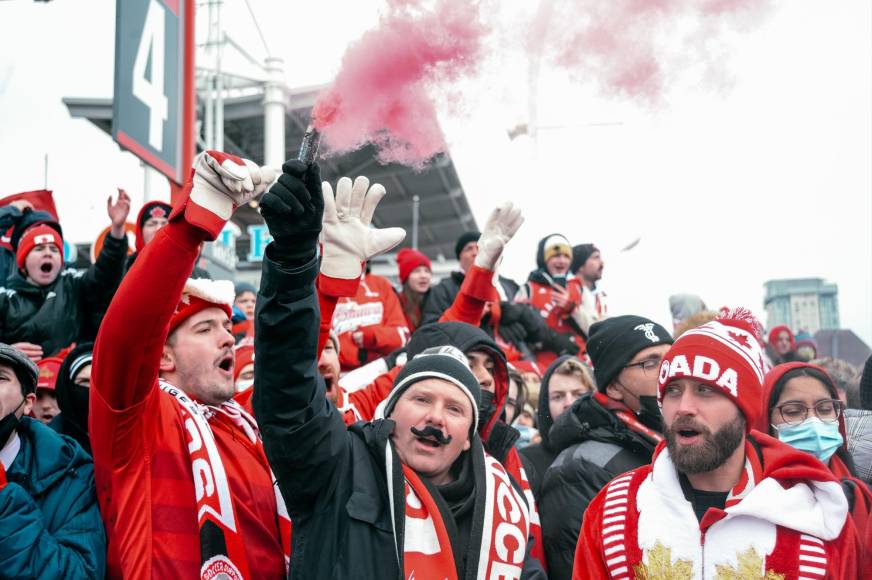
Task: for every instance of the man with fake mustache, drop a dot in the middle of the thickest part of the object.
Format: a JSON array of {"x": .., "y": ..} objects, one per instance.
[
  {"x": 719, "y": 500},
  {"x": 411, "y": 494}
]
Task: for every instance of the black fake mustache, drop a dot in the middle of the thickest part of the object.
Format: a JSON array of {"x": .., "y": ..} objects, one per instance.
[{"x": 430, "y": 432}]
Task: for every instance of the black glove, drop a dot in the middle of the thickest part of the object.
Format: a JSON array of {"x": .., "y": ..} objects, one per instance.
[
  {"x": 560, "y": 343},
  {"x": 293, "y": 209}
]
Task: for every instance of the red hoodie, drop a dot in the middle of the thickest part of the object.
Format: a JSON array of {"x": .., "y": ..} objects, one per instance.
[
  {"x": 787, "y": 517},
  {"x": 376, "y": 311},
  {"x": 145, "y": 484},
  {"x": 862, "y": 508}
]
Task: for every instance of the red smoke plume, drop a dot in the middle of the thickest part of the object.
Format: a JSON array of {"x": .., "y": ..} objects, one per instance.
[
  {"x": 633, "y": 48},
  {"x": 384, "y": 91}
]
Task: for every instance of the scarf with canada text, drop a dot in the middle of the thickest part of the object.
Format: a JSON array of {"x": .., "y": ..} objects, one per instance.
[
  {"x": 500, "y": 527},
  {"x": 222, "y": 548}
]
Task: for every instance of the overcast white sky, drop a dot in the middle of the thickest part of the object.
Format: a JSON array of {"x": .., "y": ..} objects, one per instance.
[{"x": 769, "y": 176}]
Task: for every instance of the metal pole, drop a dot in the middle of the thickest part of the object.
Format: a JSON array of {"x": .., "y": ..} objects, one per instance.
[
  {"x": 416, "y": 208},
  {"x": 219, "y": 81},
  {"x": 146, "y": 182},
  {"x": 274, "y": 102},
  {"x": 45, "y": 172}
]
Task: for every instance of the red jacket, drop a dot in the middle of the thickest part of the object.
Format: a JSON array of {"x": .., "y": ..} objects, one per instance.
[
  {"x": 541, "y": 299},
  {"x": 786, "y": 518},
  {"x": 145, "y": 484},
  {"x": 376, "y": 311}
]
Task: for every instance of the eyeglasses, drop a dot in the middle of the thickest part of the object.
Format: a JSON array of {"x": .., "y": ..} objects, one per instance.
[
  {"x": 648, "y": 365},
  {"x": 827, "y": 411}
]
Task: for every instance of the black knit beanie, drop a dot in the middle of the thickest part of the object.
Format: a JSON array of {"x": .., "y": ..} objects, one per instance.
[
  {"x": 613, "y": 342},
  {"x": 464, "y": 239},
  {"x": 580, "y": 254},
  {"x": 440, "y": 362}
]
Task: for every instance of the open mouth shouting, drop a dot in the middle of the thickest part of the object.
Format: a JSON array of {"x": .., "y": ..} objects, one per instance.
[{"x": 225, "y": 363}]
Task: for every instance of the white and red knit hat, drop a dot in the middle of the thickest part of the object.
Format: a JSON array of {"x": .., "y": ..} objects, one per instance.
[
  {"x": 725, "y": 354},
  {"x": 200, "y": 294},
  {"x": 35, "y": 236}
]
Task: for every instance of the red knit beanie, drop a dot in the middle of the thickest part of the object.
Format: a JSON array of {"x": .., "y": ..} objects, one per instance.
[
  {"x": 409, "y": 259},
  {"x": 201, "y": 294},
  {"x": 40, "y": 234},
  {"x": 725, "y": 354},
  {"x": 244, "y": 357},
  {"x": 776, "y": 330}
]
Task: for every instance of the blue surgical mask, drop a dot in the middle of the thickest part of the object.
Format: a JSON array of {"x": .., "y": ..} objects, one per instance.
[{"x": 812, "y": 436}]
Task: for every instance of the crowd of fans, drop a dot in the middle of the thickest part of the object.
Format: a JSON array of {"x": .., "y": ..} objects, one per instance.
[{"x": 157, "y": 423}]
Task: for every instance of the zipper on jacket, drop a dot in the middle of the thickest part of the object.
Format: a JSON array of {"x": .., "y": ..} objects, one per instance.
[{"x": 702, "y": 553}]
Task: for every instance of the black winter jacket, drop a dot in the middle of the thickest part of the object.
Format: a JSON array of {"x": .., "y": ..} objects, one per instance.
[
  {"x": 593, "y": 447},
  {"x": 538, "y": 457},
  {"x": 65, "y": 311},
  {"x": 333, "y": 478}
]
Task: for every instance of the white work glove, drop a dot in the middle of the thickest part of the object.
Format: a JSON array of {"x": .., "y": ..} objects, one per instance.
[
  {"x": 501, "y": 225},
  {"x": 221, "y": 183},
  {"x": 347, "y": 240}
]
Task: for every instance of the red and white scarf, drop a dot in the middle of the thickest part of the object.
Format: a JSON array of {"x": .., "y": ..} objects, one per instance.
[
  {"x": 222, "y": 548},
  {"x": 426, "y": 553}
]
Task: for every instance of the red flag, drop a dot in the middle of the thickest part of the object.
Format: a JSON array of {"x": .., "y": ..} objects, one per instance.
[{"x": 40, "y": 199}]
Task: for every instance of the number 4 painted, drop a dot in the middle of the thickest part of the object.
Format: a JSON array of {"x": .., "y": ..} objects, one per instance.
[{"x": 151, "y": 92}]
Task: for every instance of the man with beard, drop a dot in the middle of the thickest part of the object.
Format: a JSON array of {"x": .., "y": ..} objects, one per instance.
[
  {"x": 603, "y": 434},
  {"x": 184, "y": 486},
  {"x": 411, "y": 494},
  {"x": 719, "y": 500},
  {"x": 587, "y": 268}
]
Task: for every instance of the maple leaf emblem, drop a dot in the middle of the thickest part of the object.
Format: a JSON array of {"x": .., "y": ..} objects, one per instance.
[
  {"x": 749, "y": 567},
  {"x": 661, "y": 567},
  {"x": 740, "y": 338}
]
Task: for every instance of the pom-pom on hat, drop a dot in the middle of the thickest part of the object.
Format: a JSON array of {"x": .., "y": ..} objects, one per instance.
[
  {"x": 202, "y": 293},
  {"x": 725, "y": 354},
  {"x": 35, "y": 236},
  {"x": 409, "y": 259}
]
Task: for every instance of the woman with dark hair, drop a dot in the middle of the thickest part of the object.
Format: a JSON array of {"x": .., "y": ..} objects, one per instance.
[
  {"x": 415, "y": 273},
  {"x": 803, "y": 410},
  {"x": 73, "y": 394}
]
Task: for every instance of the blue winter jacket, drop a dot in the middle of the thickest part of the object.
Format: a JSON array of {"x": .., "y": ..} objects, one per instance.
[{"x": 50, "y": 524}]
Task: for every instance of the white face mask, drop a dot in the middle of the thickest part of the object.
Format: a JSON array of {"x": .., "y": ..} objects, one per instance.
[{"x": 244, "y": 384}]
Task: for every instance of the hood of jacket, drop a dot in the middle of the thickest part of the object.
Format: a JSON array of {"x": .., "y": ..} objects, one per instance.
[
  {"x": 467, "y": 338},
  {"x": 44, "y": 458},
  {"x": 771, "y": 380},
  {"x": 540, "y": 275},
  {"x": 73, "y": 419},
  {"x": 545, "y": 420}
]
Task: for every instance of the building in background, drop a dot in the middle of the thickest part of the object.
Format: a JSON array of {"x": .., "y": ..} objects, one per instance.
[{"x": 809, "y": 304}]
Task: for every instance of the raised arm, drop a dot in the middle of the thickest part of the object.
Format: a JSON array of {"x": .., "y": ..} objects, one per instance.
[
  {"x": 477, "y": 288},
  {"x": 304, "y": 435},
  {"x": 130, "y": 342}
]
